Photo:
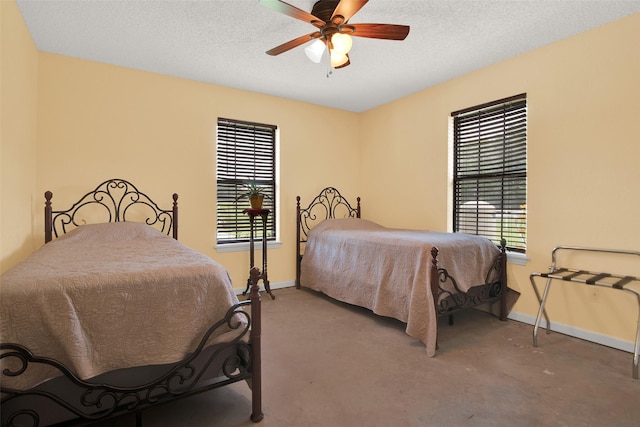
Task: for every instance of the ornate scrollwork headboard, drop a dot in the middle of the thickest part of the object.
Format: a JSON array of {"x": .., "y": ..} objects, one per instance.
[
  {"x": 114, "y": 200},
  {"x": 328, "y": 204}
]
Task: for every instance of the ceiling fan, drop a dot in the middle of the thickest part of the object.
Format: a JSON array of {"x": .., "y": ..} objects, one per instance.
[{"x": 331, "y": 18}]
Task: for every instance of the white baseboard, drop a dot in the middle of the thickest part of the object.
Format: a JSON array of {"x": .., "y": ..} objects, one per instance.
[{"x": 573, "y": 332}]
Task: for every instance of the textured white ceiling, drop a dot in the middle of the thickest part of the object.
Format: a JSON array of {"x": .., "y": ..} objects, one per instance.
[{"x": 224, "y": 42}]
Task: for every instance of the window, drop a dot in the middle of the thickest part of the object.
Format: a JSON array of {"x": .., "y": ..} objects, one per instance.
[
  {"x": 490, "y": 171},
  {"x": 245, "y": 154}
]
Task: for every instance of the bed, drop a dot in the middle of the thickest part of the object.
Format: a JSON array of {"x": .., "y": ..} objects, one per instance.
[
  {"x": 113, "y": 315},
  {"x": 414, "y": 276}
]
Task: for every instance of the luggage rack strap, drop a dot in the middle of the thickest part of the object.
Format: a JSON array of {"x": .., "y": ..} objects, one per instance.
[{"x": 589, "y": 277}]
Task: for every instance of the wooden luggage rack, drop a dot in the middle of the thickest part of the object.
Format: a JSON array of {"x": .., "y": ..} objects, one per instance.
[{"x": 629, "y": 284}]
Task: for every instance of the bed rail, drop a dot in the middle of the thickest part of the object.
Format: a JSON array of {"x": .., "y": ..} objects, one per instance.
[{"x": 112, "y": 201}]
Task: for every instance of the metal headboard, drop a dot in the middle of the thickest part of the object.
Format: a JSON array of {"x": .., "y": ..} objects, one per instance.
[
  {"x": 329, "y": 204},
  {"x": 326, "y": 205},
  {"x": 114, "y": 199}
]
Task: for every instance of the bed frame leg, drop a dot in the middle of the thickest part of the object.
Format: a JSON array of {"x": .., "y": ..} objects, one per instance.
[
  {"x": 435, "y": 291},
  {"x": 298, "y": 254},
  {"x": 256, "y": 363},
  {"x": 48, "y": 219},
  {"x": 503, "y": 280}
]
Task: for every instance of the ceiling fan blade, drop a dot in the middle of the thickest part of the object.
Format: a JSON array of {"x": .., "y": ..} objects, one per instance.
[
  {"x": 380, "y": 31},
  {"x": 347, "y": 8},
  {"x": 294, "y": 12},
  {"x": 293, "y": 43}
]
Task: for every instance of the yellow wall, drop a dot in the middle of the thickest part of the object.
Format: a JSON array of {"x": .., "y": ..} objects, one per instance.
[
  {"x": 82, "y": 122},
  {"x": 18, "y": 118},
  {"x": 583, "y": 161},
  {"x": 99, "y": 121}
]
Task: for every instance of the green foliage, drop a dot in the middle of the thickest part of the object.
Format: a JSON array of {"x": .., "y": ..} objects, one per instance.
[{"x": 252, "y": 189}]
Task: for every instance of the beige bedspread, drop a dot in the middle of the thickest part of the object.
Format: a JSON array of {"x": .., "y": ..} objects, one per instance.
[
  {"x": 110, "y": 296},
  {"x": 387, "y": 270}
]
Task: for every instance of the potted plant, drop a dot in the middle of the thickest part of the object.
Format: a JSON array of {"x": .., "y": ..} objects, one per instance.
[{"x": 254, "y": 193}]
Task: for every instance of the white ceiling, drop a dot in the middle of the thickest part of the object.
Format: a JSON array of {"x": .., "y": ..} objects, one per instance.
[{"x": 224, "y": 42}]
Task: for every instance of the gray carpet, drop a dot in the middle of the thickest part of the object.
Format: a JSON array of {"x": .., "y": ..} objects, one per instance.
[{"x": 329, "y": 364}]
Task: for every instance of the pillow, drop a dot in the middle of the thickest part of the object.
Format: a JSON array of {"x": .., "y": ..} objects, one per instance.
[{"x": 112, "y": 232}]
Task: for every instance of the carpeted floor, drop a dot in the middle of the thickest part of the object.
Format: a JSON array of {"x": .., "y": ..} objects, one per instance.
[{"x": 329, "y": 364}]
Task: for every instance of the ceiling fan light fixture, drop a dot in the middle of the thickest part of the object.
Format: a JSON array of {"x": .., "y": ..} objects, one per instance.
[
  {"x": 331, "y": 19},
  {"x": 341, "y": 43},
  {"x": 315, "y": 50},
  {"x": 344, "y": 64},
  {"x": 338, "y": 59}
]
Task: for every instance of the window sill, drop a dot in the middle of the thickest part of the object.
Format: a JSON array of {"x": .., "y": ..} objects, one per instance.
[
  {"x": 244, "y": 246},
  {"x": 517, "y": 258}
]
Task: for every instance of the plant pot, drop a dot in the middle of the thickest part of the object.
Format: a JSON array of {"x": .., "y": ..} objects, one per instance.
[{"x": 256, "y": 201}]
